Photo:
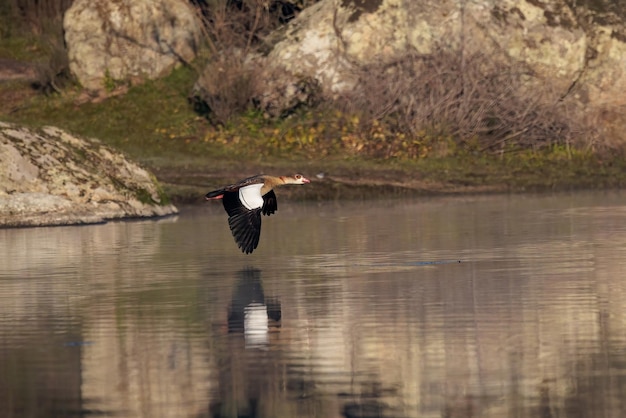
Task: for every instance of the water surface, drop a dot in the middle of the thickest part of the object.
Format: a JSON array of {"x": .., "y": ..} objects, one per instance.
[{"x": 499, "y": 306}]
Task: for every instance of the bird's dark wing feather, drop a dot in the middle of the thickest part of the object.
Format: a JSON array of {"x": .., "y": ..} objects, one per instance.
[
  {"x": 245, "y": 224},
  {"x": 236, "y": 186},
  {"x": 214, "y": 193},
  {"x": 232, "y": 204},
  {"x": 246, "y": 229},
  {"x": 270, "y": 204},
  {"x": 245, "y": 182}
]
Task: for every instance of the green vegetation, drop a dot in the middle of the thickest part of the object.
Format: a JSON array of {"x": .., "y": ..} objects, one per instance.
[
  {"x": 155, "y": 124},
  {"x": 150, "y": 120},
  {"x": 376, "y": 141}
]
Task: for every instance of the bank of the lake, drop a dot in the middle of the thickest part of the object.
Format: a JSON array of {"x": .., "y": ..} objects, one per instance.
[
  {"x": 362, "y": 179},
  {"x": 156, "y": 125}
]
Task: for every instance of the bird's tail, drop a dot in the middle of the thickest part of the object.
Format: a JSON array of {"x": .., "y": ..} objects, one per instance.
[{"x": 215, "y": 194}]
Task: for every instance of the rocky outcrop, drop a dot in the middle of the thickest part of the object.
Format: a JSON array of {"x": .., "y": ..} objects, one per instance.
[
  {"x": 117, "y": 41},
  {"x": 49, "y": 177},
  {"x": 575, "y": 49},
  {"x": 326, "y": 40}
]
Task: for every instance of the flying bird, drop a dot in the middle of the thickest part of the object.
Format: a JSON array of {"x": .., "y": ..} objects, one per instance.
[{"x": 246, "y": 200}]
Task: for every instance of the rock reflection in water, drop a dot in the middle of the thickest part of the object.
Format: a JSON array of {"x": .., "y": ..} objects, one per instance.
[{"x": 159, "y": 319}]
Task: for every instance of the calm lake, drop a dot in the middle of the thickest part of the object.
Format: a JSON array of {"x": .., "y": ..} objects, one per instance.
[{"x": 487, "y": 306}]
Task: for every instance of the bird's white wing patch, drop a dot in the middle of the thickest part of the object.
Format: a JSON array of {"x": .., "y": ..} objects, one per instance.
[
  {"x": 250, "y": 196},
  {"x": 255, "y": 325}
]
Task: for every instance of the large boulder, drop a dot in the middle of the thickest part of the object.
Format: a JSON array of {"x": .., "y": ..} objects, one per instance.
[
  {"x": 121, "y": 41},
  {"x": 49, "y": 177},
  {"x": 574, "y": 49}
]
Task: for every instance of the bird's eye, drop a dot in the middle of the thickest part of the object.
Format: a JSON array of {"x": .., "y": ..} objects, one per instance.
[{"x": 298, "y": 176}]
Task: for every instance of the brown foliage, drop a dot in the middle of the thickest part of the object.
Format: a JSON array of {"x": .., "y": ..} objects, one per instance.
[
  {"x": 35, "y": 15},
  {"x": 243, "y": 24},
  {"x": 429, "y": 100},
  {"x": 42, "y": 19},
  {"x": 482, "y": 104},
  {"x": 226, "y": 87},
  {"x": 234, "y": 31}
]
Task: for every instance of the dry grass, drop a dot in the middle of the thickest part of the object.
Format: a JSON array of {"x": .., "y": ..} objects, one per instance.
[
  {"x": 413, "y": 107},
  {"x": 41, "y": 21},
  {"x": 234, "y": 31},
  {"x": 226, "y": 87},
  {"x": 34, "y": 15},
  {"x": 483, "y": 106}
]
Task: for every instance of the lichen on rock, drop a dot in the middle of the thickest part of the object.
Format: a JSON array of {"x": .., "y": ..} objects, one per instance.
[
  {"x": 50, "y": 177},
  {"x": 124, "y": 41},
  {"x": 571, "y": 49}
]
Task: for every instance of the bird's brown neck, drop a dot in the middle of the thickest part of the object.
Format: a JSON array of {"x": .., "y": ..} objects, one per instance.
[{"x": 269, "y": 182}]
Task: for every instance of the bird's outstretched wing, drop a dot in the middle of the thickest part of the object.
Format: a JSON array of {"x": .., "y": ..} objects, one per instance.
[
  {"x": 270, "y": 204},
  {"x": 245, "y": 224},
  {"x": 246, "y": 229},
  {"x": 217, "y": 194}
]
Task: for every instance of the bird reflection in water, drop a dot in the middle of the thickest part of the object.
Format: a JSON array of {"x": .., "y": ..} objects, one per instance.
[
  {"x": 261, "y": 375},
  {"x": 250, "y": 312},
  {"x": 248, "y": 368}
]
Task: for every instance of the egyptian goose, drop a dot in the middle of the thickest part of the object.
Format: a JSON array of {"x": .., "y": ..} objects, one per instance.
[{"x": 246, "y": 200}]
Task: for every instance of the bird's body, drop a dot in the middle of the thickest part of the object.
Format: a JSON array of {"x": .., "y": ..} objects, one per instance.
[{"x": 246, "y": 200}]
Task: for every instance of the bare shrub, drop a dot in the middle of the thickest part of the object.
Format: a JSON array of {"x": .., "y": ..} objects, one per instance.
[
  {"x": 481, "y": 104},
  {"x": 244, "y": 23},
  {"x": 231, "y": 24},
  {"x": 35, "y": 15},
  {"x": 234, "y": 31},
  {"x": 607, "y": 137},
  {"x": 42, "y": 19},
  {"x": 53, "y": 71},
  {"x": 226, "y": 87},
  {"x": 53, "y": 74}
]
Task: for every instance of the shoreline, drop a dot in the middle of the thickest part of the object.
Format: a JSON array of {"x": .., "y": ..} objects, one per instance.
[{"x": 346, "y": 188}]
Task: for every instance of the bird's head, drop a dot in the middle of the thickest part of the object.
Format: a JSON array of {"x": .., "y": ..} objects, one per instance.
[{"x": 296, "y": 179}]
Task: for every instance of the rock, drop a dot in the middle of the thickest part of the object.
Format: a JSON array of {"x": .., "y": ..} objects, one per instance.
[
  {"x": 113, "y": 42},
  {"x": 49, "y": 177},
  {"x": 575, "y": 49}
]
